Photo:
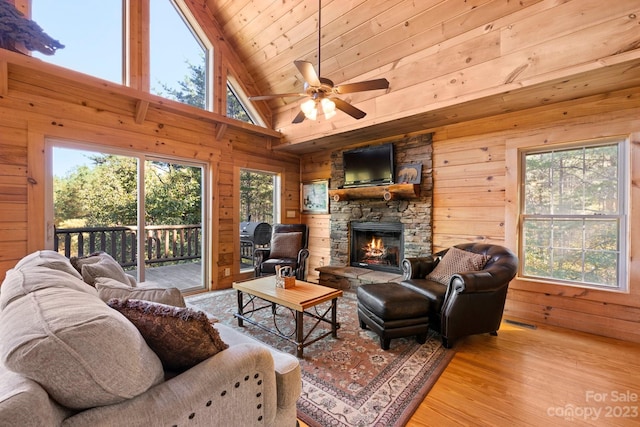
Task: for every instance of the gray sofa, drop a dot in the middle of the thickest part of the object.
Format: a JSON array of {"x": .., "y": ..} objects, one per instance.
[{"x": 68, "y": 359}]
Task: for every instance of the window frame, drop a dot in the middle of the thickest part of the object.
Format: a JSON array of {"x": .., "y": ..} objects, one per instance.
[
  {"x": 623, "y": 210},
  {"x": 234, "y": 86},
  {"x": 142, "y": 157}
]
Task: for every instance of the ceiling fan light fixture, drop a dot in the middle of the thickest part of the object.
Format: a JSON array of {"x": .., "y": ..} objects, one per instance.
[
  {"x": 309, "y": 109},
  {"x": 328, "y": 107},
  {"x": 319, "y": 89}
]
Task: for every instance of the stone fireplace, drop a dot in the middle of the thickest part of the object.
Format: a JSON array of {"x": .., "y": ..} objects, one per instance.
[
  {"x": 376, "y": 245},
  {"x": 411, "y": 215}
]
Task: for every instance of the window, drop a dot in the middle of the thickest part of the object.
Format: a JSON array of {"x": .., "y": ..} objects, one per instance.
[
  {"x": 92, "y": 36},
  {"x": 259, "y": 202},
  {"x": 235, "y": 109},
  {"x": 178, "y": 57},
  {"x": 95, "y": 201},
  {"x": 573, "y": 222}
]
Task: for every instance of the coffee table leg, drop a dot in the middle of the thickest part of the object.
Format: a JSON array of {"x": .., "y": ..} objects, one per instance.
[
  {"x": 334, "y": 318},
  {"x": 240, "y": 311},
  {"x": 299, "y": 333}
]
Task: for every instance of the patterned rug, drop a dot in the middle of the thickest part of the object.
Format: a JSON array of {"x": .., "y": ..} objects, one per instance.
[{"x": 348, "y": 381}]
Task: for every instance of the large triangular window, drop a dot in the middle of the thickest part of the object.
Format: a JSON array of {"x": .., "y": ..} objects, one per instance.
[
  {"x": 178, "y": 57},
  {"x": 238, "y": 105}
]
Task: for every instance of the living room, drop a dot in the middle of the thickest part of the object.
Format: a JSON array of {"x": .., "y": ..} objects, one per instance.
[{"x": 485, "y": 81}]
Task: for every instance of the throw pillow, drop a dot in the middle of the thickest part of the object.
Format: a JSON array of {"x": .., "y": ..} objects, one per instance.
[
  {"x": 108, "y": 288},
  {"x": 285, "y": 245},
  {"x": 99, "y": 264},
  {"x": 181, "y": 337},
  {"x": 83, "y": 353},
  {"x": 456, "y": 261}
]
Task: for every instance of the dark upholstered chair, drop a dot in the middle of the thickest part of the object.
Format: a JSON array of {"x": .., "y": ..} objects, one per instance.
[
  {"x": 289, "y": 247},
  {"x": 473, "y": 301}
]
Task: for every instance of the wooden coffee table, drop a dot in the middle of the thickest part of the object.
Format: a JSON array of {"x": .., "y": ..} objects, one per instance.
[{"x": 299, "y": 298}]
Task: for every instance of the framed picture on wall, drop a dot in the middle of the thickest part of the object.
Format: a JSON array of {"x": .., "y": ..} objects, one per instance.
[
  {"x": 410, "y": 173},
  {"x": 314, "y": 196}
]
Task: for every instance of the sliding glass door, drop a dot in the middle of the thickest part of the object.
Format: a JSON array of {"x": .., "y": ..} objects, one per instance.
[{"x": 147, "y": 213}]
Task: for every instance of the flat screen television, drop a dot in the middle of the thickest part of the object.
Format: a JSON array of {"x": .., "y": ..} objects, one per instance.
[{"x": 368, "y": 166}]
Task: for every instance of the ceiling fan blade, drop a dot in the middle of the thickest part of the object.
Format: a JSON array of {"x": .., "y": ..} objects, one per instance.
[
  {"x": 299, "y": 118},
  {"x": 277, "y": 95},
  {"x": 348, "y": 108},
  {"x": 362, "y": 86},
  {"x": 308, "y": 72}
]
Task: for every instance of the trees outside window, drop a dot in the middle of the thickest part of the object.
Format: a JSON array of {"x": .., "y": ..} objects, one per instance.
[{"x": 573, "y": 215}]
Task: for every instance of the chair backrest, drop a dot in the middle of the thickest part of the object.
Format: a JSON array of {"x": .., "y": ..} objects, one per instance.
[
  {"x": 502, "y": 262},
  {"x": 293, "y": 228}
]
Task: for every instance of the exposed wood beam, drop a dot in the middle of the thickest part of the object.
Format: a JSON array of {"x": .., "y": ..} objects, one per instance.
[
  {"x": 141, "y": 110},
  {"x": 22, "y": 65},
  {"x": 220, "y": 130}
]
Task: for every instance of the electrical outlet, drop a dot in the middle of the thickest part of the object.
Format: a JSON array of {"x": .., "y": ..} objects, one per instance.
[
  {"x": 227, "y": 272},
  {"x": 291, "y": 214}
]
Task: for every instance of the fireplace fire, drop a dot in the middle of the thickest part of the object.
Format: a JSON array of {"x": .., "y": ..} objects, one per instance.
[
  {"x": 375, "y": 252},
  {"x": 376, "y": 245}
]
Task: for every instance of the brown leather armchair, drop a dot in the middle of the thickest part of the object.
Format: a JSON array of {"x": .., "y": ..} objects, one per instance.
[
  {"x": 473, "y": 302},
  {"x": 289, "y": 247}
]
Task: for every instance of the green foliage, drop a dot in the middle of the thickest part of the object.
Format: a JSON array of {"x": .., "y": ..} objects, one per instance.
[
  {"x": 106, "y": 194},
  {"x": 191, "y": 90},
  {"x": 235, "y": 109},
  {"x": 173, "y": 194},
  {"x": 566, "y": 195},
  {"x": 256, "y": 197}
]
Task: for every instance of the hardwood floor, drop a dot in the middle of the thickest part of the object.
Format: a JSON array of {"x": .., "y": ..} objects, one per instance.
[{"x": 536, "y": 377}]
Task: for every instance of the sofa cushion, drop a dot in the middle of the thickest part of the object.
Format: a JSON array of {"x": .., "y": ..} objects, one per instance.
[
  {"x": 99, "y": 264},
  {"x": 24, "y": 403},
  {"x": 456, "y": 261},
  {"x": 65, "y": 338},
  {"x": 285, "y": 245},
  {"x": 48, "y": 259},
  {"x": 181, "y": 337},
  {"x": 108, "y": 288}
]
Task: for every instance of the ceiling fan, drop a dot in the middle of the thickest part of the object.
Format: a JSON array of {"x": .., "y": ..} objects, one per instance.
[{"x": 322, "y": 91}]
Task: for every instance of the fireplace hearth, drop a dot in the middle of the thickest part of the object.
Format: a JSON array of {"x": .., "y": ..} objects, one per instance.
[{"x": 376, "y": 245}]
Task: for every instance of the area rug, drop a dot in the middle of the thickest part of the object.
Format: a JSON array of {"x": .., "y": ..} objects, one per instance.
[{"x": 348, "y": 381}]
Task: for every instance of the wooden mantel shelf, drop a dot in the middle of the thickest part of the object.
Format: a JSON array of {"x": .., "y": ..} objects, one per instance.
[{"x": 387, "y": 192}]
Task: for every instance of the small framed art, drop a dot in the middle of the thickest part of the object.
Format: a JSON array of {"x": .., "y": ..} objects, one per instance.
[
  {"x": 410, "y": 173},
  {"x": 314, "y": 196}
]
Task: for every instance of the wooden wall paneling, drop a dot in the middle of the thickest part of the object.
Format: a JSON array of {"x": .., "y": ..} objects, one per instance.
[
  {"x": 570, "y": 303},
  {"x": 567, "y": 18},
  {"x": 634, "y": 235},
  {"x": 550, "y": 57},
  {"x": 4, "y": 78},
  {"x": 36, "y": 187},
  {"x": 131, "y": 137},
  {"x": 319, "y": 243},
  {"x": 606, "y": 313},
  {"x": 572, "y": 319},
  {"x": 137, "y": 61},
  {"x": 317, "y": 166}
]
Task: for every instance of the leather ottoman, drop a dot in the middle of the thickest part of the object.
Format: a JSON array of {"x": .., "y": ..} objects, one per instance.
[{"x": 393, "y": 311}]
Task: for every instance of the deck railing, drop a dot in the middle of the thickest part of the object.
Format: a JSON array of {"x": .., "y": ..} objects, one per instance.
[{"x": 163, "y": 243}]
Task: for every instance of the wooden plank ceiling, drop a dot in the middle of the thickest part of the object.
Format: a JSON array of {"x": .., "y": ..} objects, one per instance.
[{"x": 365, "y": 39}]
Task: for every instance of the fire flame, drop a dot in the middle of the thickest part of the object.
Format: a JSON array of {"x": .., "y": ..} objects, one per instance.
[{"x": 375, "y": 248}]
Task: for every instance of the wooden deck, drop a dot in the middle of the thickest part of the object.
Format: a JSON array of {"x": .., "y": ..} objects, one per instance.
[{"x": 186, "y": 276}]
